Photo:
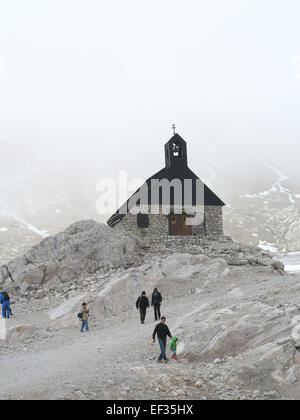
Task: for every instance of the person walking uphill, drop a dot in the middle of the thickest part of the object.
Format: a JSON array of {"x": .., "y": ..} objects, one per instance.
[
  {"x": 156, "y": 302},
  {"x": 162, "y": 332},
  {"x": 142, "y": 304},
  {"x": 5, "y": 302}
]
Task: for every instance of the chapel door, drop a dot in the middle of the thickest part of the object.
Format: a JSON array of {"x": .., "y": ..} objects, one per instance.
[{"x": 178, "y": 226}]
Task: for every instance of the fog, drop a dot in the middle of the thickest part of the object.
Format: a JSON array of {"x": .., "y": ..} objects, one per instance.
[{"x": 91, "y": 88}]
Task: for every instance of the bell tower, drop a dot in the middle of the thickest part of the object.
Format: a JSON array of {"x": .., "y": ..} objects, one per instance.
[{"x": 176, "y": 152}]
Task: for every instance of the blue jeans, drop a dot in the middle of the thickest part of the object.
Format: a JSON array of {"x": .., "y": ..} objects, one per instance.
[
  {"x": 85, "y": 325},
  {"x": 6, "y": 309},
  {"x": 163, "y": 346},
  {"x": 174, "y": 352}
]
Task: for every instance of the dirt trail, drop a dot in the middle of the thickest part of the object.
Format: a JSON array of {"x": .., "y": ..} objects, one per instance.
[
  {"x": 117, "y": 359},
  {"x": 74, "y": 364}
]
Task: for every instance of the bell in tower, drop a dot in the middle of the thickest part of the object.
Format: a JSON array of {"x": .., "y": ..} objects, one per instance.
[
  {"x": 177, "y": 149},
  {"x": 175, "y": 152}
]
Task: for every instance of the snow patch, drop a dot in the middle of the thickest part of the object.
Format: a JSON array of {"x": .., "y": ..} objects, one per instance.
[
  {"x": 292, "y": 268},
  {"x": 292, "y": 262},
  {"x": 42, "y": 233},
  {"x": 275, "y": 187},
  {"x": 294, "y": 253},
  {"x": 265, "y": 246},
  {"x": 7, "y": 211}
]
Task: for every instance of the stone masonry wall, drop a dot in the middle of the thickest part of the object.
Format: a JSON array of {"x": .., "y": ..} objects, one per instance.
[
  {"x": 214, "y": 221},
  {"x": 159, "y": 226}
]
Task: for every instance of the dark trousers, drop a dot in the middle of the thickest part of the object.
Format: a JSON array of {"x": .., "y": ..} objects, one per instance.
[
  {"x": 163, "y": 345},
  {"x": 143, "y": 314},
  {"x": 6, "y": 309},
  {"x": 157, "y": 314}
]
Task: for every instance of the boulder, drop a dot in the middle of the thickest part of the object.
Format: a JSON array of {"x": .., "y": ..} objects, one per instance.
[
  {"x": 278, "y": 266},
  {"x": 235, "y": 261},
  {"x": 35, "y": 276},
  {"x": 82, "y": 249},
  {"x": 263, "y": 261}
]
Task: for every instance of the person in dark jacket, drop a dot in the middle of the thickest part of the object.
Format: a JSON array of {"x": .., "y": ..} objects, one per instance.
[
  {"x": 156, "y": 302},
  {"x": 162, "y": 331},
  {"x": 142, "y": 304}
]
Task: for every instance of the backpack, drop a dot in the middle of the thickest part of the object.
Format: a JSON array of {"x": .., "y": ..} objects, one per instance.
[
  {"x": 144, "y": 302},
  {"x": 80, "y": 315},
  {"x": 5, "y": 296}
]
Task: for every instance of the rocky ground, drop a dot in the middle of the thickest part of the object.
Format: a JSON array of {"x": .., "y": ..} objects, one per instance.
[{"x": 234, "y": 309}]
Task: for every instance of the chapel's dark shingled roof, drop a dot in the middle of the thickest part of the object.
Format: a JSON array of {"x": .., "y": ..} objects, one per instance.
[{"x": 174, "y": 169}]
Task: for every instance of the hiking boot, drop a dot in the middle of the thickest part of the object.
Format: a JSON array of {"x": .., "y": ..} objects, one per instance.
[
  {"x": 159, "y": 361},
  {"x": 166, "y": 361}
]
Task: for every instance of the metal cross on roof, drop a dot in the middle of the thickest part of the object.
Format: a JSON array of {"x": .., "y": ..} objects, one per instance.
[{"x": 174, "y": 129}]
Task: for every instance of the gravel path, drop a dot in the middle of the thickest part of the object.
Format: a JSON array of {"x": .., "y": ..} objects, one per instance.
[{"x": 118, "y": 361}]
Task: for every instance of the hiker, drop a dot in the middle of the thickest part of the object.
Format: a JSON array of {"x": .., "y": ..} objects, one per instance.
[
  {"x": 5, "y": 302},
  {"x": 142, "y": 304},
  {"x": 85, "y": 316},
  {"x": 162, "y": 332},
  {"x": 156, "y": 302},
  {"x": 173, "y": 347}
]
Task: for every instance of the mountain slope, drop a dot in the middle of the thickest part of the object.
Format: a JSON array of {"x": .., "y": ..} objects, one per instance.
[{"x": 270, "y": 218}]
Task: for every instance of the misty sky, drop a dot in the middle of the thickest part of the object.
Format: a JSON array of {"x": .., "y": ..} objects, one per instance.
[{"x": 94, "y": 86}]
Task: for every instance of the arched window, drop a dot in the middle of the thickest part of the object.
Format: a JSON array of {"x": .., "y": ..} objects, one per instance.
[{"x": 177, "y": 149}]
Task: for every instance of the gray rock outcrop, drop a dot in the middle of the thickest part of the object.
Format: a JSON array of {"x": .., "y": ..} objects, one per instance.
[{"x": 84, "y": 248}]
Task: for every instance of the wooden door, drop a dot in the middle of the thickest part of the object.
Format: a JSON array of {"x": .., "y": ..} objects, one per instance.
[{"x": 178, "y": 226}]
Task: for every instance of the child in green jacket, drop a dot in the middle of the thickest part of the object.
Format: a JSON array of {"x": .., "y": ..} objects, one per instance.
[{"x": 173, "y": 347}]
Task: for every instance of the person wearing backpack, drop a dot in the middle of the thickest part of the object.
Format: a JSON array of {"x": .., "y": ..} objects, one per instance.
[
  {"x": 142, "y": 304},
  {"x": 84, "y": 317},
  {"x": 156, "y": 302},
  {"x": 5, "y": 302}
]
